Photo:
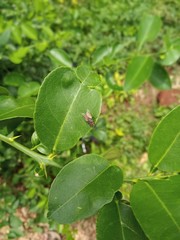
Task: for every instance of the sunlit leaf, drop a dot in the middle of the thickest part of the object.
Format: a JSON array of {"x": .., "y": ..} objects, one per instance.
[
  {"x": 18, "y": 55},
  {"x": 138, "y": 72},
  {"x": 41, "y": 46},
  {"x": 16, "y": 34},
  {"x": 29, "y": 31},
  {"x": 149, "y": 28},
  {"x": 164, "y": 150}
]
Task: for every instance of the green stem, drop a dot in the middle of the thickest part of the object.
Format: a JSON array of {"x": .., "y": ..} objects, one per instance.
[
  {"x": 36, "y": 156},
  {"x": 155, "y": 177}
]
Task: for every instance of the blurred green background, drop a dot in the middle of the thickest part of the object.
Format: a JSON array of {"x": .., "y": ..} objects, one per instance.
[{"x": 38, "y": 35}]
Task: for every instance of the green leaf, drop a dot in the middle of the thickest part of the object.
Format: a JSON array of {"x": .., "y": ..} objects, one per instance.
[
  {"x": 172, "y": 52},
  {"x": 60, "y": 57},
  {"x": 18, "y": 55},
  {"x": 29, "y": 31},
  {"x": 46, "y": 30},
  {"x": 171, "y": 56},
  {"x": 149, "y": 28},
  {"x": 28, "y": 89},
  {"x": 41, "y": 46},
  {"x": 15, "y": 222},
  {"x": 111, "y": 82},
  {"x": 164, "y": 150},
  {"x": 138, "y": 71},
  {"x": 100, "y": 54},
  {"x": 3, "y": 91},
  {"x": 16, "y": 34},
  {"x": 4, "y": 37},
  {"x": 62, "y": 101},
  {"x": 89, "y": 77},
  {"x": 119, "y": 47},
  {"x": 82, "y": 187},
  {"x": 12, "y": 108},
  {"x": 14, "y": 79},
  {"x": 116, "y": 221},
  {"x": 9, "y": 125},
  {"x": 156, "y": 205},
  {"x": 38, "y": 5},
  {"x": 160, "y": 78},
  {"x": 15, "y": 233}
]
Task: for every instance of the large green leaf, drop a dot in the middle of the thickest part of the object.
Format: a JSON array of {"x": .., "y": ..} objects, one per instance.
[
  {"x": 13, "y": 108},
  {"x": 138, "y": 71},
  {"x": 164, "y": 148},
  {"x": 116, "y": 221},
  {"x": 82, "y": 187},
  {"x": 160, "y": 78},
  {"x": 156, "y": 205},
  {"x": 63, "y": 99},
  {"x": 149, "y": 28}
]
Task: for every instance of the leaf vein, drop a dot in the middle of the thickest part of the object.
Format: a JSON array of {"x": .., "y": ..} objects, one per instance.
[
  {"x": 163, "y": 205},
  {"x": 167, "y": 150}
]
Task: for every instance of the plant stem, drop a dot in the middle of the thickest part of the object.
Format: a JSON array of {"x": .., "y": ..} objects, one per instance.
[
  {"x": 155, "y": 177},
  {"x": 36, "y": 156}
]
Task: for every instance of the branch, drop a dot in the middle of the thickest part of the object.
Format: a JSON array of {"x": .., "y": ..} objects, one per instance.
[{"x": 36, "y": 156}]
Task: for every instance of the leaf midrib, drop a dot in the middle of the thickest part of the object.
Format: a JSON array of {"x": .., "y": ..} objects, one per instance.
[
  {"x": 167, "y": 150},
  {"x": 120, "y": 220},
  {"x": 163, "y": 205},
  {"x": 66, "y": 116},
  {"x": 137, "y": 72},
  {"x": 16, "y": 109},
  {"x": 148, "y": 28}
]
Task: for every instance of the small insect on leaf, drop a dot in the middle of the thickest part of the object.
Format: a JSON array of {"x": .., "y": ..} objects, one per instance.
[{"x": 88, "y": 118}]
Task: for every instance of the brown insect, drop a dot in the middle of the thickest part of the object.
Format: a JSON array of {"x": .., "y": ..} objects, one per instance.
[{"x": 88, "y": 118}]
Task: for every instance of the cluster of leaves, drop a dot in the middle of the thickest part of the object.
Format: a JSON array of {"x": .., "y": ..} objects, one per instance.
[
  {"x": 89, "y": 183},
  {"x": 34, "y": 43},
  {"x": 92, "y": 181}
]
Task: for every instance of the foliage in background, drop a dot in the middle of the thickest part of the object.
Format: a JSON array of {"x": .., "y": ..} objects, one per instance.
[{"x": 36, "y": 37}]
